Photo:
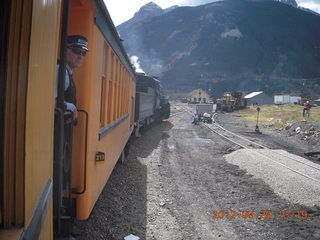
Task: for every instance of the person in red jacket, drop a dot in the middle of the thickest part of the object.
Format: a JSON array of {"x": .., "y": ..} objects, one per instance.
[{"x": 306, "y": 109}]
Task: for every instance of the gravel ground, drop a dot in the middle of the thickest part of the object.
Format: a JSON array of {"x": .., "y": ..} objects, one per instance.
[
  {"x": 176, "y": 180},
  {"x": 287, "y": 184}
]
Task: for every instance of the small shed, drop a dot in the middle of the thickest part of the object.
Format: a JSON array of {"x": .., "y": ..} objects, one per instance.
[
  {"x": 258, "y": 98},
  {"x": 287, "y": 99}
]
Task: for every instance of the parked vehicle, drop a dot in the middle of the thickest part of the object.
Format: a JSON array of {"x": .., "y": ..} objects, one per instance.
[{"x": 204, "y": 112}]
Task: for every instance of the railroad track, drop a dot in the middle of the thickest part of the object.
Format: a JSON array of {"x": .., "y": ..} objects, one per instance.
[
  {"x": 304, "y": 168},
  {"x": 232, "y": 137},
  {"x": 298, "y": 165}
]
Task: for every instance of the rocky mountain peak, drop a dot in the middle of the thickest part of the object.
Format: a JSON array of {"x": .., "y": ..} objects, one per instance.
[
  {"x": 151, "y": 6},
  {"x": 148, "y": 10},
  {"x": 292, "y": 3}
]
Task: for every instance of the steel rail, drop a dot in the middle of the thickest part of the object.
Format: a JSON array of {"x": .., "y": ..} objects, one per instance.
[{"x": 238, "y": 136}]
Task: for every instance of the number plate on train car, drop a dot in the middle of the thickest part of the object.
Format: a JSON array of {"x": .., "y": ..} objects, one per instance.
[{"x": 100, "y": 156}]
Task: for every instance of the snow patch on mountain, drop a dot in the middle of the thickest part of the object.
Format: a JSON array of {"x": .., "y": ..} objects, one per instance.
[{"x": 233, "y": 33}]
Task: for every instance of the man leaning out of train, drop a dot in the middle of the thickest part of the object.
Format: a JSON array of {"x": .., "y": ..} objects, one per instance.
[{"x": 77, "y": 48}]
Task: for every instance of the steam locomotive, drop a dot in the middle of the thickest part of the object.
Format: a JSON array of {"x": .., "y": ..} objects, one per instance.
[{"x": 152, "y": 105}]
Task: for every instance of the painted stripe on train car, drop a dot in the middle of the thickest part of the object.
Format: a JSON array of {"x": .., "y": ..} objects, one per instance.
[{"x": 111, "y": 126}]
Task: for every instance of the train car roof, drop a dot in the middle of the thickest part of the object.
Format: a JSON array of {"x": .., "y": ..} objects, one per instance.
[
  {"x": 107, "y": 27},
  {"x": 144, "y": 81}
]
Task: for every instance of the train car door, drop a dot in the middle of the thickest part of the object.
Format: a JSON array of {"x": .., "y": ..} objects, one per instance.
[
  {"x": 28, "y": 52},
  {"x": 4, "y": 19},
  {"x": 15, "y": 41}
]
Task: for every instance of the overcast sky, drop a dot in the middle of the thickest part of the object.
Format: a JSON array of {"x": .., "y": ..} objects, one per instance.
[{"x": 123, "y": 10}]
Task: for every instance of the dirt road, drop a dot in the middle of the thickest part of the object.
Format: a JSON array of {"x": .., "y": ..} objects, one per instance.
[{"x": 177, "y": 184}]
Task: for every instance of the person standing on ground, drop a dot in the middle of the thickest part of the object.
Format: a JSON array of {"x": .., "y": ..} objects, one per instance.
[{"x": 306, "y": 109}]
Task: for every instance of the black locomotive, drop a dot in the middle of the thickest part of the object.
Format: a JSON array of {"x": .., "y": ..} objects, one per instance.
[{"x": 151, "y": 103}]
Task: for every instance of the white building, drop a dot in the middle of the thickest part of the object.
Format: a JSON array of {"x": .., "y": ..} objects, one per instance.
[
  {"x": 258, "y": 98},
  {"x": 286, "y": 99}
]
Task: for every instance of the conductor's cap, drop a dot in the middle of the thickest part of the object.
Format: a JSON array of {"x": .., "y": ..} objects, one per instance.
[{"x": 77, "y": 41}]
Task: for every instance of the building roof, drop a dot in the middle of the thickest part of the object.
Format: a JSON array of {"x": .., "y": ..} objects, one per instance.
[
  {"x": 196, "y": 91},
  {"x": 291, "y": 95},
  {"x": 253, "y": 94}
]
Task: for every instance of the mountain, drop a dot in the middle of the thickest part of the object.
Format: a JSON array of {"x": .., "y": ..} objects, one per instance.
[
  {"x": 292, "y": 3},
  {"x": 169, "y": 9},
  {"x": 229, "y": 45}
]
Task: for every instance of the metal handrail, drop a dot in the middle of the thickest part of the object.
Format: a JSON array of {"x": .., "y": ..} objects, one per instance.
[{"x": 85, "y": 157}]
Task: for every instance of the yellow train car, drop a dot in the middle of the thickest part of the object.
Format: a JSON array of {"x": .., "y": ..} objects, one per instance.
[
  {"x": 37, "y": 199},
  {"x": 106, "y": 91}
]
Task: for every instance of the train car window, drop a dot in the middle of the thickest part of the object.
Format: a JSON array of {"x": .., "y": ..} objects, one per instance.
[
  {"x": 110, "y": 66},
  {"x": 103, "y": 79},
  {"x": 132, "y": 110},
  {"x": 129, "y": 92},
  {"x": 104, "y": 60},
  {"x": 126, "y": 94},
  {"x": 126, "y": 91},
  {"x": 105, "y": 87},
  {"x": 103, "y": 101},
  {"x": 111, "y": 88},
  {"x": 115, "y": 101},
  {"x": 104, "y": 84},
  {"x": 119, "y": 90},
  {"x": 122, "y": 90}
]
